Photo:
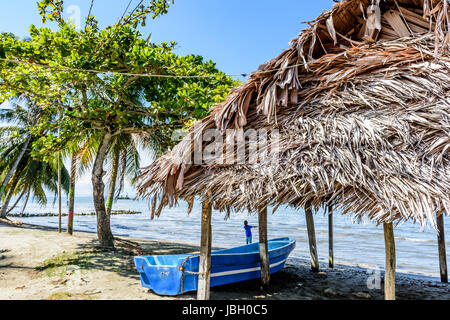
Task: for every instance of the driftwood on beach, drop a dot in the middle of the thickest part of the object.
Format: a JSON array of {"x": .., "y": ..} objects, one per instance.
[{"x": 358, "y": 111}]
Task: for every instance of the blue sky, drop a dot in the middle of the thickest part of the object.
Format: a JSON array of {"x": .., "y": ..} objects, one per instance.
[{"x": 238, "y": 35}]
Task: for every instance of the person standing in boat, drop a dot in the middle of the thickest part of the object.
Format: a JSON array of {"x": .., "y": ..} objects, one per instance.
[{"x": 248, "y": 232}]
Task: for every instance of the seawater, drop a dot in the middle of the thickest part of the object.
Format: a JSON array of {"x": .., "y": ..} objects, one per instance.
[{"x": 358, "y": 243}]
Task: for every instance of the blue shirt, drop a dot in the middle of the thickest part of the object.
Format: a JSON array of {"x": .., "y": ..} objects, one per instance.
[{"x": 248, "y": 230}]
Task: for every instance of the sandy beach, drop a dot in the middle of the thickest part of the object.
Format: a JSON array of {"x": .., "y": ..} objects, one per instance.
[{"x": 39, "y": 263}]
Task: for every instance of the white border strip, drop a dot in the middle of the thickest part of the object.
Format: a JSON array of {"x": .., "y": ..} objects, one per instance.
[{"x": 227, "y": 273}]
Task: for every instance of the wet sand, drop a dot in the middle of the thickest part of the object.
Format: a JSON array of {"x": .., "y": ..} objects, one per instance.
[{"x": 39, "y": 263}]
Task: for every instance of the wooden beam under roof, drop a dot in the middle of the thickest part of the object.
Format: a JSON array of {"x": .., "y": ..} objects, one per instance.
[{"x": 396, "y": 22}]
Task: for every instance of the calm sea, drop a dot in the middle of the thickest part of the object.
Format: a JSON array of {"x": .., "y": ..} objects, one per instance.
[{"x": 357, "y": 243}]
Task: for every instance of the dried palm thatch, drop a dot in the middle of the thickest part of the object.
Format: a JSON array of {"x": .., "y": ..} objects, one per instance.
[{"x": 361, "y": 103}]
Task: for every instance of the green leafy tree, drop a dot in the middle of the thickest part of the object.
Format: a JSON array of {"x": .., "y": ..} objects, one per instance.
[
  {"x": 100, "y": 80},
  {"x": 53, "y": 10}
]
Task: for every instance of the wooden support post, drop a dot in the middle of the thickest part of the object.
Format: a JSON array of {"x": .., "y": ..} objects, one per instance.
[
  {"x": 204, "y": 277},
  {"x": 59, "y": 179},
  {"x": 442, "y": 251},
  {"x": 330, "y": 238},
  {"x": 263, "y": 248},
  {"x": 389, "y": 277},
  {"x": 311, "y": 238},
  {"x": 59, "y": 193}
]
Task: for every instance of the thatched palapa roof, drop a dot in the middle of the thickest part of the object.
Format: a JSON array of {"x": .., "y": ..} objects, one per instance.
[{"x": 360, "y": 103}]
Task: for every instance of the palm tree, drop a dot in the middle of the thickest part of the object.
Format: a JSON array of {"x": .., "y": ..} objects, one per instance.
[
  {"x": 15, "y": 143},
  {"x": 39, "y": 177},
  {"x": 21, "y": 173},
  {"x": 19, "y": 119},
  {"x": 82, "y": 153},
  {"x": 124, "y": 162},
  {"x": 123, "y": 159},
  {"x": 35, "y": 177}
]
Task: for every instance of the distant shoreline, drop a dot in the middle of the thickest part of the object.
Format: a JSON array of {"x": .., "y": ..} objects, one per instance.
[{"x": 52, "y": 214}]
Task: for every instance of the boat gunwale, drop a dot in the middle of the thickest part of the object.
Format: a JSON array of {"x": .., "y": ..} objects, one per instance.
[{"x": 290, "y": 241}]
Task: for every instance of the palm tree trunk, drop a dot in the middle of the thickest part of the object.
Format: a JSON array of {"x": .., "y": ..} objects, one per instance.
[
  {"x": 104, "y": 233},
  {"x": 14, "y": 167},
  {"x": 112, "y": 185},
  {"x": 73, "y": 169},
  {"x": 14, "y": 183},
  {"x": 17, "y": 201},
  {"x": 59, "y": 191},
  {"x": 26, "y": 202}
]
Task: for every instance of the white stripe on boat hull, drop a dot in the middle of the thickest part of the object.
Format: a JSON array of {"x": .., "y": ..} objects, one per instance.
[{"x": 227, "y": 273}]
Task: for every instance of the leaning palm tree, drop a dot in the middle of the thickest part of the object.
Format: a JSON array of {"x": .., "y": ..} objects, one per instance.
[
  {"x": 19, "y": 119},
  {"x": 15, "y": 140},
  {"x": 20, "y": 171},
  {"x": 35, "y": 178},
  {"x": 13, "y": 163},
  {"x": 41, "y": 177}
]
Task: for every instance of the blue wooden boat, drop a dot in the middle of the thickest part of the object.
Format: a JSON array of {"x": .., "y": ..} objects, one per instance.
[{"x": 177, "y": 274}]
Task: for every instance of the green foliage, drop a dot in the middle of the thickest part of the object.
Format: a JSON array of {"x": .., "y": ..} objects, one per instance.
[
  {"x": 58, "y": 264},
  {"x": 94, "y": 81},
  {"x": 107, "y": 101},
  {"x": 52, "y": 10},
  {"x": 156, "y": 8}
]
